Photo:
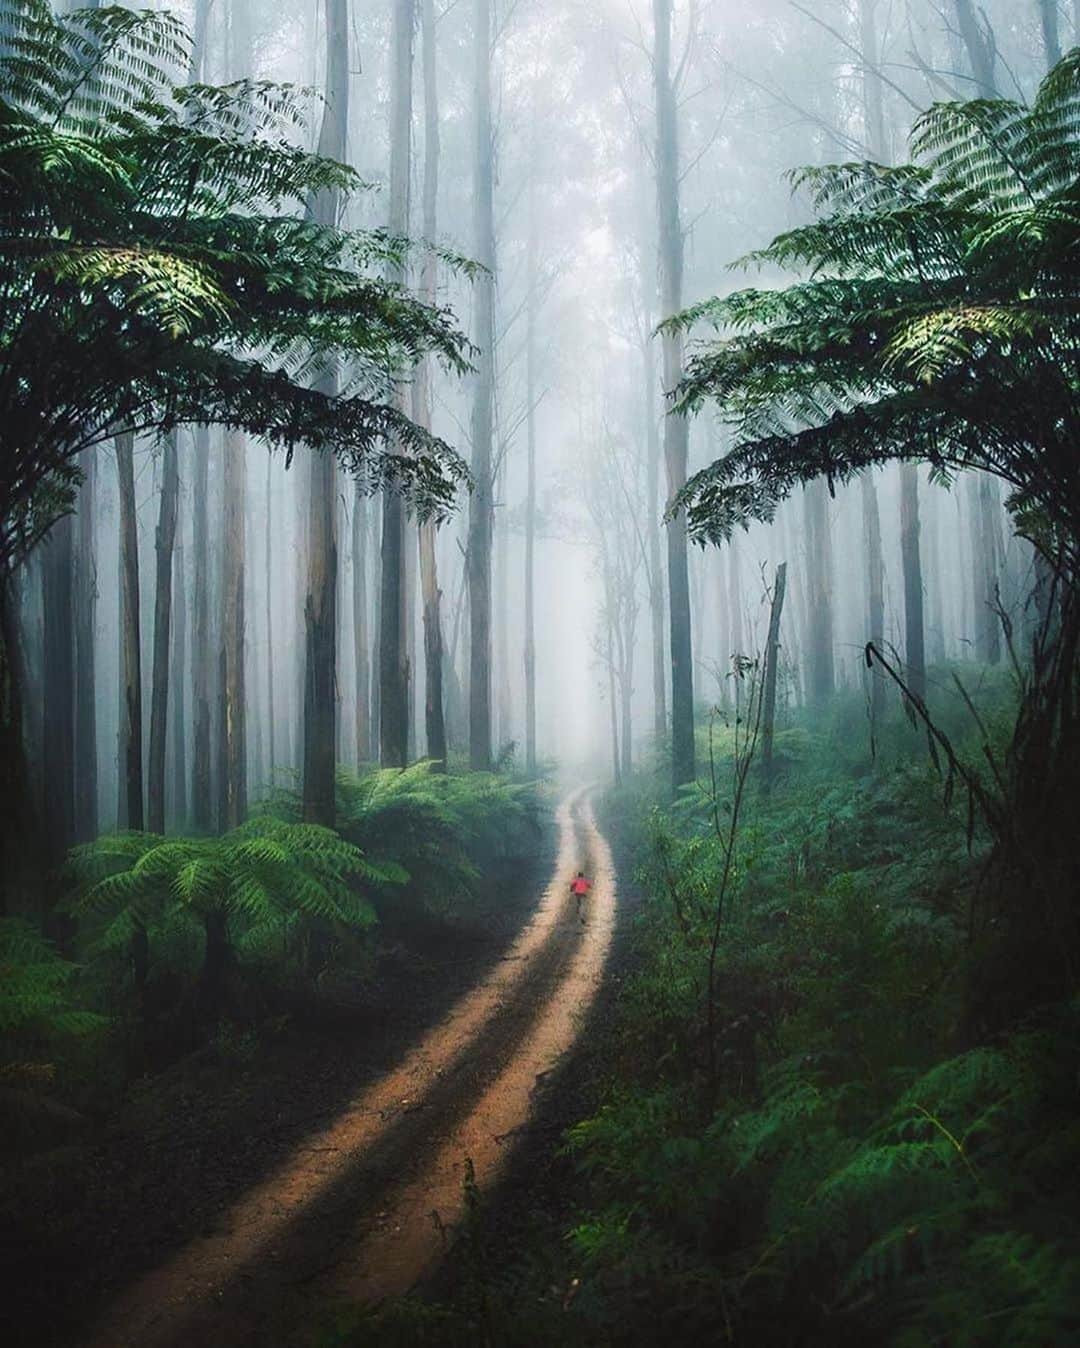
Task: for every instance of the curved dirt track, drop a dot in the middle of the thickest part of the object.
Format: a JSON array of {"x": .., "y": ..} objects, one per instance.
[{"x": 363, "y": 1209}]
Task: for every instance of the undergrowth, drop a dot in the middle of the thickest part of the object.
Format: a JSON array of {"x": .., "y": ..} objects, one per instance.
[{"x": 854, "y": 1160}]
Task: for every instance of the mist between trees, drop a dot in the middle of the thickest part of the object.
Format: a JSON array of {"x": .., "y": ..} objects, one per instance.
[{"x": 209, "y": 622}]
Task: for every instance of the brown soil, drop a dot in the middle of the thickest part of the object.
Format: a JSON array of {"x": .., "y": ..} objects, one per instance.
[{"x": 363, "y": 1206}]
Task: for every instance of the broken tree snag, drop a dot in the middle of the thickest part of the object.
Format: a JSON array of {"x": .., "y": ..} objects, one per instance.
[{"x": 772, "y": 652}]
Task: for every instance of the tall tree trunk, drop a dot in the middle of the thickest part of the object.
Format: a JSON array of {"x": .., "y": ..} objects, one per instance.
[
  {"x": 86, "y": 759},
  {"x": 361, "y": 646},
  {"x": 165, "y": 542},
  {"x": 58, "y": 617},
  {"x": 271, "y": 704},
  {"x": 130, "y": 637},
  {"x": 875, "y": 590},
  {"x": 654, "y": 509},
  {"x": 201, "y": 775},
  {"x": 986, "y": 551},
  {"x": 179, "y": 717},
  {"x": 980, "y": 45},
  {"x": 914, "y": 648},
  {"x": 394, "y": 702},
  {"x": 234, "y": 696},
  {"x": 1051, "y": 30},
  {"x": 501, "y": 625},
  {"x": 676, "y": 438},
  {"x": 434, "y": 710},
  {"x": 480, "y": 503},
  {"x": 820, "y": 652},
  {"x": 20, "y": 841},
  {"x": 772, "y": 659},
  {"x": 530, "y": 493},
  {"x": 320, "y": 605},
  {"x": 735, "y": 606}
]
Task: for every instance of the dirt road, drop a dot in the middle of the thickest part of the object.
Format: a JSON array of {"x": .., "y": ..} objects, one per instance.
[{"x": 365, "y": 1207}]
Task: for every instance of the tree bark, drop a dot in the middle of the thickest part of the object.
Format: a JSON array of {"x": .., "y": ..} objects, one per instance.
[
  {"x": 130, "y": 637},
  {"x": 656, "y": 572},
  {"x": 201, "y": 774},
  {"x": 179, "y": 717},
  {"x": 58, "y": 618},
  {"x": 875, "y": 590},
  {"x": 820, "y": 652},
  {"x": 913, "y": 588},
  {"x": 361, "y": 646},
  {"x": 986, "y": 551},
  {"x": 320, "y": 606},
  {"x": 234, "y": 697},
  {"x": 395, "y": 718},
  {"x": 772, "y": 657},
  {"x": 434, "y": 709},
  {"x": 480, "y": 505},
  {"x": 271, "y": 705},
  {"x": 530, "y": 497},
  {"x": 676, "y": 439},
  {"x": 1051, "y": 30},
  {"x": 165, "y": 542},
  {"x": 978, "y": 39},
  {"x": 86, "y": 763}
]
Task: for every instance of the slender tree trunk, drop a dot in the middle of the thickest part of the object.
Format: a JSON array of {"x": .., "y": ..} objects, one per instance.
[
  {"x": 394, "y": 701},
  {"x": 735, "y": 605},
  {"x": 320, "y": 606},
  {"x": 772, "y": 660},
  {"x": 361, "y": 648},
  {"x": 913, "y": 587},
  {"x": 616, "y": 761},
  {"x": 234, "y": 699},
  {"x": 131, "y": 641},
  {"x": 434, "y": 710},
  {"x": 201, "y": 777},
  {"x": 1051, "y": 30},
  {"x": 179, "y": 717},
  {"x": 530, "y": 499},
  {"x": 86, "y": 754},
  {"x": 271, "y": 704},
  {"x": 20, "y": 842},
  {"x": 822, "y": 674},
  {"x": 480, "y": 504},
  {"x": 163, "y": 591},
  {"x": 978, "y": 39},
  {"x": 58, "y": 618},
  {"x": 875, "y": 590},
  {"x": 654, "y": 508},
  {"x": 502, "y": 621},
  {"x": 986, "y": 550},
  {"x": 676, "y": 438}
]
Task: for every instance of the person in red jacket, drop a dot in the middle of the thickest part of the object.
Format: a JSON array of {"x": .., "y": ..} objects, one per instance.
[{"x": 579, "y": 887}]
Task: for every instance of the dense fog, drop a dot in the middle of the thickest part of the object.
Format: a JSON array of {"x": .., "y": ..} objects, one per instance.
[{"x": 577, "y": 388}]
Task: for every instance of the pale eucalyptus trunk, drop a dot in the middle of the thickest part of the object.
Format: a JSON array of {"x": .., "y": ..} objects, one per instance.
[
  {"x": 164, "y": 545},
  {"x": 131, "y": 736},
  {"x": 320, "y": 603},
  {"x": 676, "y": 439},
  {"x": 86, "y": 754},
  {"x": 480, "y": 502}
]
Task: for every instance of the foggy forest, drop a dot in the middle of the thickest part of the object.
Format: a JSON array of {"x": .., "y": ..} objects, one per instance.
[{"x": 540, "y": 673}]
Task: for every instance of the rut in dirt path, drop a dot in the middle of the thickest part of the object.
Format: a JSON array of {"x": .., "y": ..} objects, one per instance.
[{"x": 364, "y": 1208}]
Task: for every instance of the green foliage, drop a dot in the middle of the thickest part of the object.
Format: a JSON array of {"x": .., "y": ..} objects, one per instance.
[
  {"x": 37, "y": 1004},
  {"x": 430, "y": 830},
  {"x": 936, "y": 320},
  {"x": 159, "y": 269},
  {"x": 860, "y": 1177}
]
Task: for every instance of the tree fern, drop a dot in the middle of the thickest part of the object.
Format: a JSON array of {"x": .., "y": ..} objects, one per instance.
[
  {"x": 185, "y": 284},
  {"x": 941, "y": 322}
]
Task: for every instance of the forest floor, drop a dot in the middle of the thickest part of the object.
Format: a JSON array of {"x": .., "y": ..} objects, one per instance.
[{"x": 233, "y": 1210}]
